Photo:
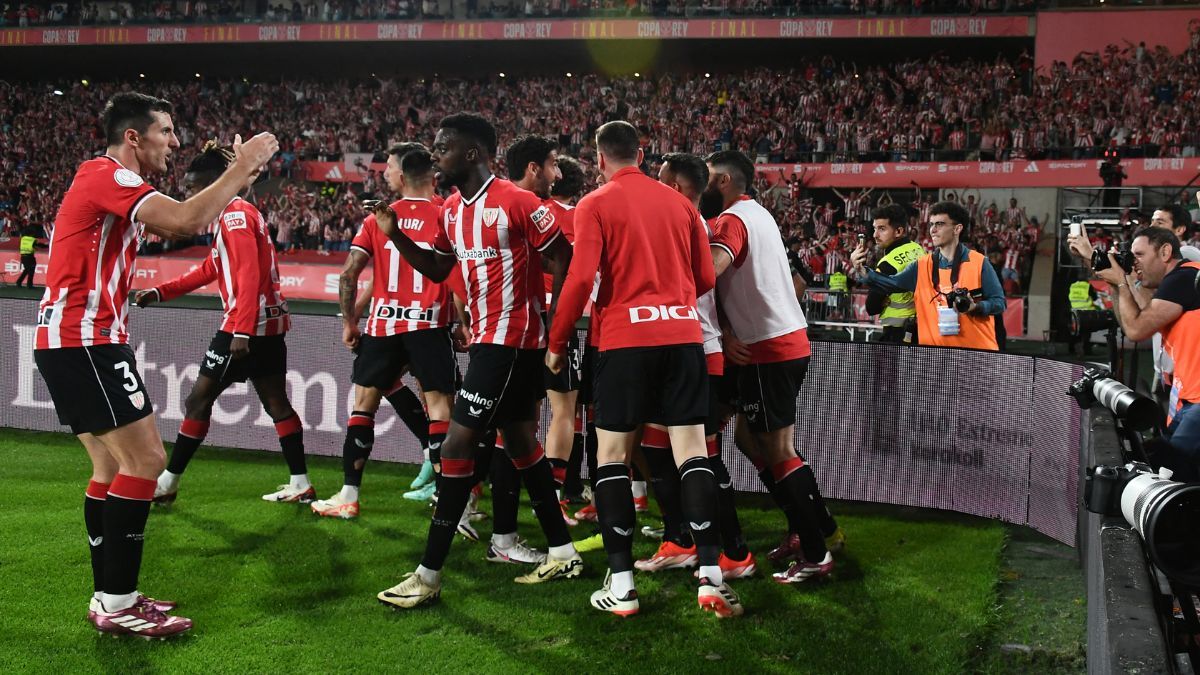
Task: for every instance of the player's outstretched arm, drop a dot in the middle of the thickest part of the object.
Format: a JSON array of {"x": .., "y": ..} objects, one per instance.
[
  {"x": 168, "y": 217},
  {"x": 205, "y": 274},
  {"x": 435, "y": 265}
]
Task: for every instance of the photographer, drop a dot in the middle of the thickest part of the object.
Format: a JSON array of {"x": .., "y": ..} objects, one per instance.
[
  {"x": 956, "y": 290},
  {"x": 1172, "y": 311}
]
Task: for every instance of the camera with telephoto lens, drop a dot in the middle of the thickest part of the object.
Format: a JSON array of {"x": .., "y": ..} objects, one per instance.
[
  {"x": 1097, "y": 386},
  {"x": 1165, "y": 513},
  {"x": 960, "y": 299},
  {"x": 1122, "y": 253}
]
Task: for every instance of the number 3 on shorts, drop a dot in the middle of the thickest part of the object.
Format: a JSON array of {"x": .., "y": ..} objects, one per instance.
[{"x": 131, "y": 383}]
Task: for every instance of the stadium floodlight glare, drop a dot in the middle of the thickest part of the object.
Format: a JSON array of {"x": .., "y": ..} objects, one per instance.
[
  {"x": 568, "y": 75},
  {"x": 58, "y": 92},
  {"x": 197, "y": 74},
  {"x": 501, "y": 74},
  {"x": 708, "y": 75},
  {"x": 142, "y": 75},
  {"x": 84, "y": 82}
]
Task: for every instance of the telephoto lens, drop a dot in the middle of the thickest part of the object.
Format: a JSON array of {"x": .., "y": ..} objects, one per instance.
[{"x": 1167, "y": 516}]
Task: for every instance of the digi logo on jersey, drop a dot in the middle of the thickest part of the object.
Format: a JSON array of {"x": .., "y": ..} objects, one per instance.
[
  {"x": 275, "y": 311},
  {"x": 389, "y": 312},
  {"x": 488, "y": 253},
  {"x": 662, "y": 313}
]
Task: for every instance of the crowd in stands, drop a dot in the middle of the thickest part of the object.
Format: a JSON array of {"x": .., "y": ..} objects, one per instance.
[
  {"x": 1141, "y": 101},
  {"x": 134, "y": 12}
]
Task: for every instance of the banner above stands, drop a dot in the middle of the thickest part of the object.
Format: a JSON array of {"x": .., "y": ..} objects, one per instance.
[
  {"x": 1015, "y": 174},
  {"x": 549, "y": 29}
]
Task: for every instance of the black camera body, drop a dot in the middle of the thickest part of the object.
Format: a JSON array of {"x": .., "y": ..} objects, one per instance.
[
  {"x": 960, "y": 299},
  {"x": 1103, "y": 487},
  {"x": 1122, "y": 253}
]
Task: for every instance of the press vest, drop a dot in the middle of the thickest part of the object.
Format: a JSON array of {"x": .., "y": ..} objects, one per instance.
[
  {"x": 759, "y": 298},
  {"x": 900, "y": 307},
  {"x": 1079, "y": 295},
  {"x": 1181, "y": 341},
  {"x": 974, "y": 332}
]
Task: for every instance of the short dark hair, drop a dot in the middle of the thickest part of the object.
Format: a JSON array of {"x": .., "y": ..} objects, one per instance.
[
  {"x": 526, "y": 149},
  {"x": 571, "y": 183},
  {"x": 1179, "y": 217},
  {"x": 399, "y": 150},
  {"x": 416, "y": 163},
  {"x": 213, "y": 159},
  {"x": 895, "y": 214},
  {"x": 1159, "y": 237},
  {"x": 619, "y": 140},
  {"x": 130, "y": 110},
  {"x": 957, "y": 213},
  {"x": 474, "y": 127},
  {"x": 738, "y": 165},
  {"x": 690, "y": 166}
]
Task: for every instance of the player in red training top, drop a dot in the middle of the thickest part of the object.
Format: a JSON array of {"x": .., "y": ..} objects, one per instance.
[
  {"x": 492, "y": 233},
  {"x": 250, "y": 342},
  {"x": 408, "y": 324},
  {"x": 650, "y": 247},
  {"x": 768, "y": 340},
  {"x": 82, "y": 348}
]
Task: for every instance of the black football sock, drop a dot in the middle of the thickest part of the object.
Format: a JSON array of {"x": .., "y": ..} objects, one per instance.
[
  {"x": 125, "y": 512},
  {"x": 698, "y": 497},
  {"x": 458, "y": 477},
  {"x": 539, "y": 483},
  {"x": 780, "y": 497},
  {"x": 436, "y": 436},
  {"x": 410, "y": 411},
  {"x": 506, "y": 495},
  {"x": 825, "y": 519},
  {"x": 614, "y": 508},
  {"x": 789, "y": 478},
  {"x": 664, "y": 481},
  {"x": 733, "y": 542},
  {"x": 191, "y": 435},
  {"x": 291, "y": 441},
  {"x": 360, "y": 437},
  {"x": 590, "y": 444},
  {"x": 573, "y": 485},
  {"x": 93, "y": 520}
]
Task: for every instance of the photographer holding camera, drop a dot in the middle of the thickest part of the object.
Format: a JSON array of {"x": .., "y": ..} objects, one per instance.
[
  {"x": 1172, "y": 311},
  {"x": 956, "y": 290}
]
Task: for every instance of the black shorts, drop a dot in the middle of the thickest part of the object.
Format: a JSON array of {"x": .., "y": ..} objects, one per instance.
[
  {"x": 503, "y": 385},
  {"x": 428, "y": 354},
  {"x": 268, "y": 356},
  {"x": 587, "y": 374},
  {"x": 722, "y": 400},
  {"x": 94, "y": 388},
  {"x": 768, "y": 392},
  {"x": 568, "y": 378},
  {"x": 658, "y": 385}
]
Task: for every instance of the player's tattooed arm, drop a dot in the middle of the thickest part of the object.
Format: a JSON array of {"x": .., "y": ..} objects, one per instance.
[{"x": 347, "y": 290}]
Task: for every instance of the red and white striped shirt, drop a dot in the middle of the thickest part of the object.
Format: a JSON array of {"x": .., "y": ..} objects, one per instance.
[
  {"x": 403, "y": 299},
  {"x": 496, "y": 235},
  {"x": 93, "y": 248},
  {"x": 242, "y": 262}
]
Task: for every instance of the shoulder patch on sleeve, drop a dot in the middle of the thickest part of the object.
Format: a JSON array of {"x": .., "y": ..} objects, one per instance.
[
  {"x": 234, "y": 220},
  {"x": 543, "y": 218},
  {"x": 127, "y": 178}
]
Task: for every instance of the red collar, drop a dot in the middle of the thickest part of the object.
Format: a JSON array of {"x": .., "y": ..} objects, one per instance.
[{"x": 627, "y": 171}]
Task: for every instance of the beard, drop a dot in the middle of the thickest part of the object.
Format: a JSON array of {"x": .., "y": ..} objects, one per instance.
[{"x": 711, "y": 204}]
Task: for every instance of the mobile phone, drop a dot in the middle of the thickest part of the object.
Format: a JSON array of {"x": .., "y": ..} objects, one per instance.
[
  {"x": 370, "y": 204},
  {"x": 862, "y": 240},
  {"x": 1075, "y": 229}
]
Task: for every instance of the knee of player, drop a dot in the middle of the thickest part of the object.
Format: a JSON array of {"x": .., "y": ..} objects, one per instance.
[{"x": 198, "y": 405}]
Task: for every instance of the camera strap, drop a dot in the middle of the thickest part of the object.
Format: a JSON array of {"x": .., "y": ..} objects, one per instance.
[{"x": 936, "y": 271}]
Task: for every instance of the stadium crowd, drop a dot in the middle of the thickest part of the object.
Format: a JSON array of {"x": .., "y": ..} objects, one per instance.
[
  {"x": 49, "y": 13},
  {"x": 1138, "y": 100}
]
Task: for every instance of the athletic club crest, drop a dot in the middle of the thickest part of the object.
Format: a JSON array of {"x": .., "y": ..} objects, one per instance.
[
  {"x": 490, "y": 216},
  {"x": 138, "y": 399}
]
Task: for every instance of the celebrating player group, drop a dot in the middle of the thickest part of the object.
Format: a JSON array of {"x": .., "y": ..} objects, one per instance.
[{"x": 694, "y": 325}]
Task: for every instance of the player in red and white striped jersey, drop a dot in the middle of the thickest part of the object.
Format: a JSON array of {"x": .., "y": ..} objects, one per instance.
[
  {"x": 82, "y": 351},
  {"x": 407, "y": 330},
  {"x": 250, "y": 343},
  {"x": 493, "y": 232}
]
